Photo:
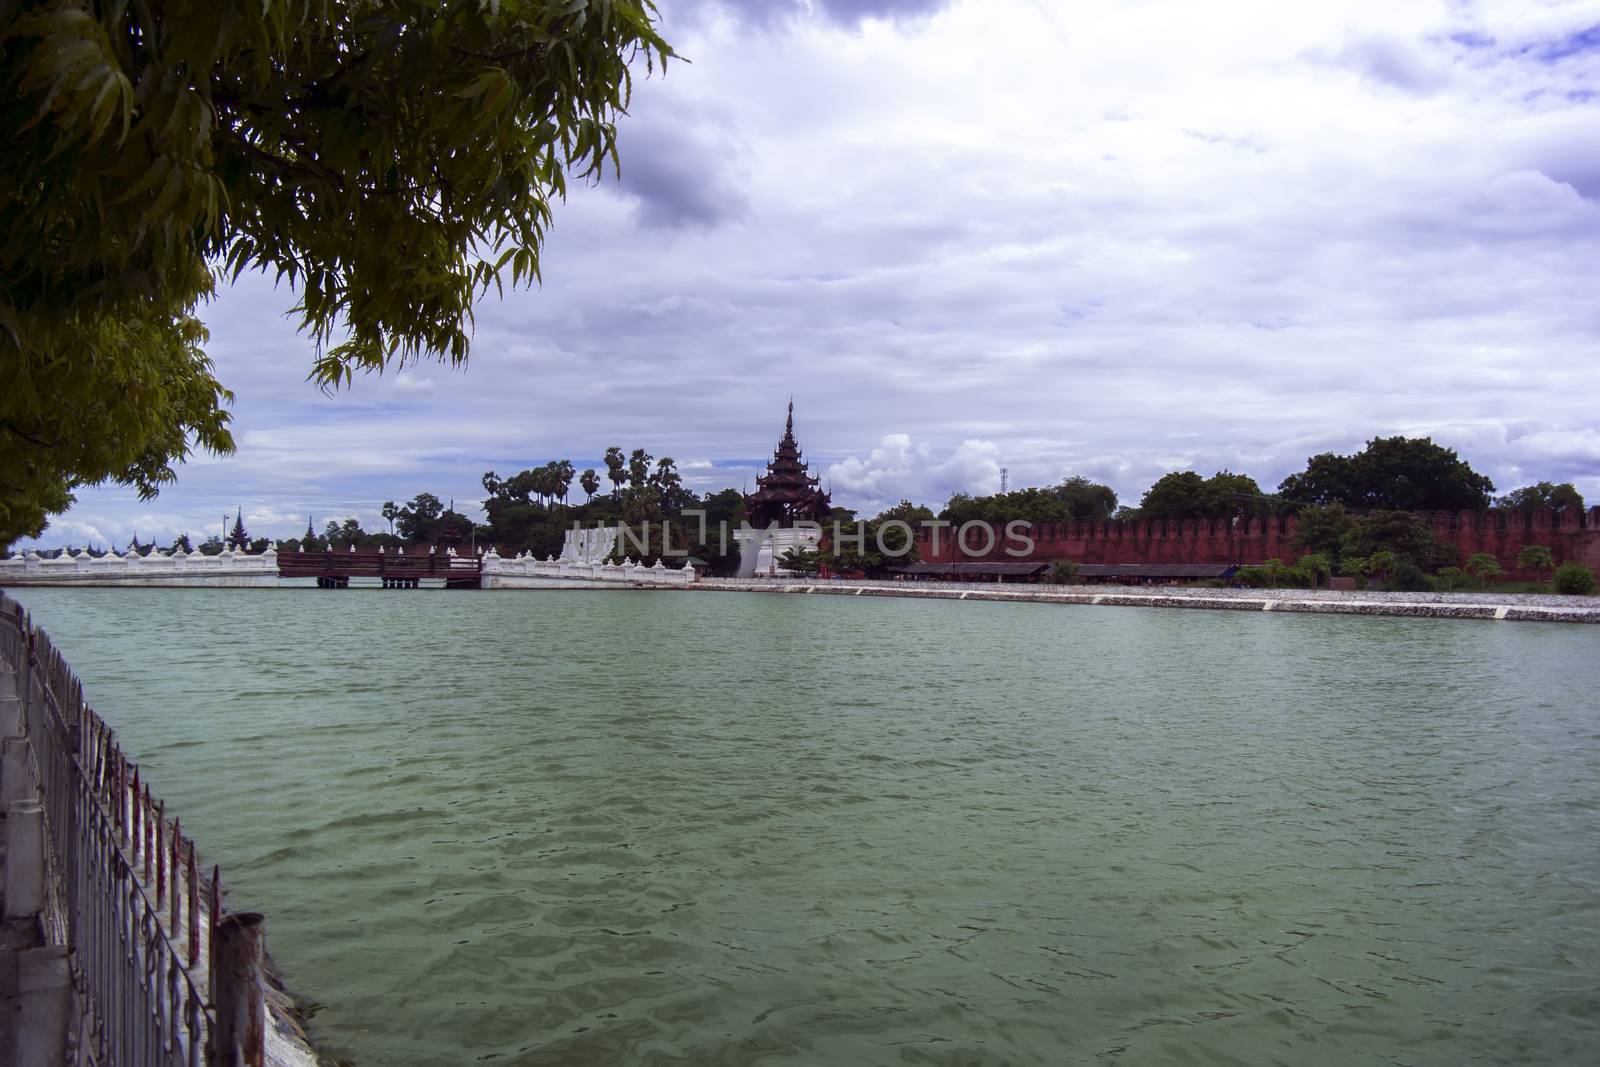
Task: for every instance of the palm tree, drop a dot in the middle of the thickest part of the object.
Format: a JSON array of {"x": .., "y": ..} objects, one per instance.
[
  {"x": 391, "y": 513},
  {"x": 563, "y": 473},
  {"x": 590, "y": 482},
  {"x": 615, "y": 466},
  {"x": 665, "y": 479},
  {"x": 639, "y": 468}
]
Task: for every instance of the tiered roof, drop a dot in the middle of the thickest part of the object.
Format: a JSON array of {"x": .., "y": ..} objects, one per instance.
[{"x": 786, "y": 492}]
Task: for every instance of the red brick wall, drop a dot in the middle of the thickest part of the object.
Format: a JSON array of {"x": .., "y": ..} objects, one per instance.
[{"x": 1570, "y": 535}]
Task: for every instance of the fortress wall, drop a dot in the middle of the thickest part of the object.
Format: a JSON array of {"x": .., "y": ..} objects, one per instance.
[
  {"x": 528, "y": 572},
  {"x": 1570, "y": 535},
  {"x": 229, "y": 568}
]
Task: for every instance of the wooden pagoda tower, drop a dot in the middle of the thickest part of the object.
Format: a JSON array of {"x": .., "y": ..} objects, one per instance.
[{"x": 786, "y": 493}]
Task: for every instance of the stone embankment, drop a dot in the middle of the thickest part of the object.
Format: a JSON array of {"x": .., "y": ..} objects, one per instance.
[{"x": 1487, "y": 606}]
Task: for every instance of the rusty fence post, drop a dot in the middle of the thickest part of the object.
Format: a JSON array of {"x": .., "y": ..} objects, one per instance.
[{"x": 239, "y": 1036}]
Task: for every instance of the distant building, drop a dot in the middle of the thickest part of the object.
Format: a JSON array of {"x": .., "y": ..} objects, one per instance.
[
  {"x": 981, "y": 571},
  {"x": 785, "y": 494}
]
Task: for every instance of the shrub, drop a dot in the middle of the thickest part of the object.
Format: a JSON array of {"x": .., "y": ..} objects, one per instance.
[
  {"x": 1574, "y": 579},
  {"x": 1274, "y": 575},
  {"x": 1407, "y": 577},
  {"x": 1316, "y": 567},
  {"x": 1449, "y": 578},
  {"x": 1062, "y": 572},
  {"x": 1353, "y": 567},
  {"x": 1382, "y": 564}
]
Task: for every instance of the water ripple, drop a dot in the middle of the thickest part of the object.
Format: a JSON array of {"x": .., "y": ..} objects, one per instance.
[{"x": 663, "y": 829}]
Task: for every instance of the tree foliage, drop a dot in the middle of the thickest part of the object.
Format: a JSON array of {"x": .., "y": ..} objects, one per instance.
[
  {"x": 1573, "y": 579},
  {"x": 390, "y": 160},
  {"x": 1186, "y": 495},
  {"x": 420, "y": 519},
  {"x": 1403, "y": 535},
  {"x": 1543, "y": 495},
  {"x": 1483, "y": 566},
  {"x": 1028, "y": 505},
  {"x": 1086, "y": 501},
  {"x": 1535, "y": 558},
  {"x": 1390, "y": 474}
]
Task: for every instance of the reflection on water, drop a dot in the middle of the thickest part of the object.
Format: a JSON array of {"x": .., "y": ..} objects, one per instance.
[{"x": 605, "y": 828}]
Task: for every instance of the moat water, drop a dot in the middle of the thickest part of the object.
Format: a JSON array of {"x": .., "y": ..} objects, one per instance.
[{"x": 667, "y": 828}]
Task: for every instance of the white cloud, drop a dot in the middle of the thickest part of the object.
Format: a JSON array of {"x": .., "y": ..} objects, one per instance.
[{"x": 899, "y": 469}]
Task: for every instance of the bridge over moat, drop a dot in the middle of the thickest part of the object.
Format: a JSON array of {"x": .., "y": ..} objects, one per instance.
[{"x": 395, "y": 570}]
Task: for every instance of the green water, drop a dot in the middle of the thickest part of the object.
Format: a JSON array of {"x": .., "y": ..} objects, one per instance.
[{"x": 638, "y": 828}]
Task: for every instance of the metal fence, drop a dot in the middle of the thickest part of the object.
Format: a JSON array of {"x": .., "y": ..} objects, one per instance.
[{"x": 129, "y": 897}]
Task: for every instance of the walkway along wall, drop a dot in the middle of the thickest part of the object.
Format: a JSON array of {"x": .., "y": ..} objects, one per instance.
[
  {"x": 124, "y": 890},
  {"x": 1571, "y": 535}
]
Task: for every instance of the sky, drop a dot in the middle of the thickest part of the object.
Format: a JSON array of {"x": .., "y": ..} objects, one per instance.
[{"x": 1112, "y": 239}]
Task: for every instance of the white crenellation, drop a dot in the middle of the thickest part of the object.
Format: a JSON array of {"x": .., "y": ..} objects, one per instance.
[{"x": 158, "y": 568}]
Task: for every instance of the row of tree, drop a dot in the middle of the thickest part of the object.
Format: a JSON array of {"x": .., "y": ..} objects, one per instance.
[
  {"x": 1389, "y": 474},
  {"x": 532, "y": 509}
]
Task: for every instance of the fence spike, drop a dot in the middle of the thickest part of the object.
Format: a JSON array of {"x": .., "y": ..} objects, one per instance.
[
  {"x": 216, "y": 909},
  {"x": 146, "y": 818},
  {"x": 194, "y": 910},
  {"x": 134, "y": 827},
  {"x": 177, "y": 857},
  {"x": 161, "y": 853}
]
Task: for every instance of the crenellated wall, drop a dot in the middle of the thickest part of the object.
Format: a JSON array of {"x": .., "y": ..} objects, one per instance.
[
  {"x": 527, "y": 572},
  {"x": 228, "y": 568},
  {"x": 1570, "y": 535}
]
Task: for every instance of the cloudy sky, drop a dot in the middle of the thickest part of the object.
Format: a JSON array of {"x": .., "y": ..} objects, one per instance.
[{"x": 1101, "y": 239}]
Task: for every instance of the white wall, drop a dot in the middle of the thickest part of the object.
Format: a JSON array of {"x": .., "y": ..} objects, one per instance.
[
  {"x": 230, "y": 568},
  {"x": 526, "y": 572}
]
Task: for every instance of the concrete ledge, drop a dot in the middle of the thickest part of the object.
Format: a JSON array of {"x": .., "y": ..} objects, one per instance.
[
  {"x": 24, "y": 868},
  {"x": 43, "y": 1007},
  {"x": 16, "y": 771},
  {"x": 1254, "y": 600}
]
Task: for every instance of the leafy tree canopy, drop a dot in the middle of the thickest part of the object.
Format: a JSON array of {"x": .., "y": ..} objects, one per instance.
[
  {"x": 1536, "y": 558},
  {"x": 1390, "y": 474},
  {"x": 390, "y": 160},
  {"x": 1028, "y": 505},
  {"x": 1543, "y": 495},
  {"x": 1086, "y": 501},
  {"x": 1402, "y": 534},
  {"x": 420, "y": 519},
  {"x": 1324, "y": 530},
  {"x": 1186, "y": 495}
]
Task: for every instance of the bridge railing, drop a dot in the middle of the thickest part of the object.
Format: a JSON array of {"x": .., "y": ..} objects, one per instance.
[
  {"x": 292, "y": 564},
  {"x": 127, "y": 892}
]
